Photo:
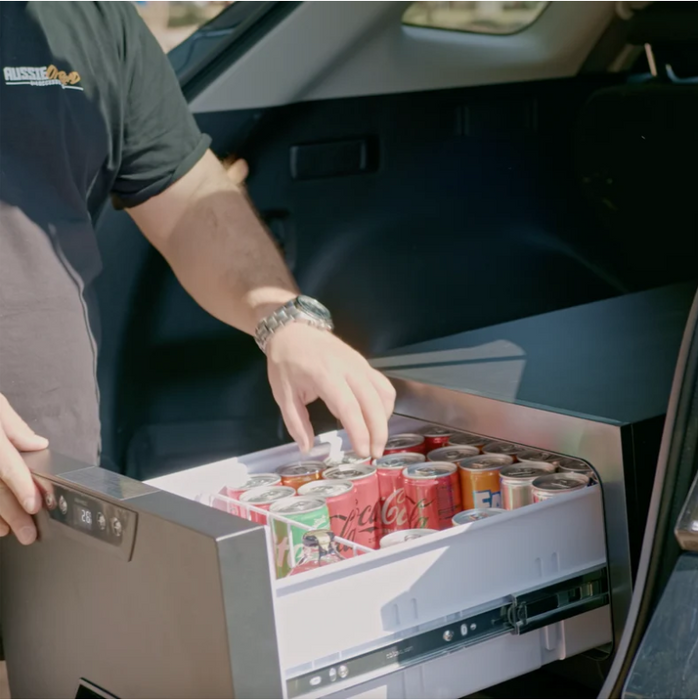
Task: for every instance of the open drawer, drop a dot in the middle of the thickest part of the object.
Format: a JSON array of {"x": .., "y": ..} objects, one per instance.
[{"x": 441, "y": 616}]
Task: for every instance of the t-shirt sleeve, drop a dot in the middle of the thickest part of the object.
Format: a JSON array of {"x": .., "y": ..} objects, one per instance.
[{"x": 160, "y": 141}]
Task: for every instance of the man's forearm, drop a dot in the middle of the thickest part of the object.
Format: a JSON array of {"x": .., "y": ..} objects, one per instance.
[{"x": 217, "y": 247}]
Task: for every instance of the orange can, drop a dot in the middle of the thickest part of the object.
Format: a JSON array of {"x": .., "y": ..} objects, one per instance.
[
  {"x": 295, "y": 475},
  {"x": 479, "y": 480}
]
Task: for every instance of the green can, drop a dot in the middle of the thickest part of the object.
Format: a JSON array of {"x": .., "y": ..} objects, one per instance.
[{"x": 307, "y": 510}]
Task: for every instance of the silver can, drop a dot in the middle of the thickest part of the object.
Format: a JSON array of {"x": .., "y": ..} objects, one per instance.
[
  {"x": 517, "y": 484},
  {"x": 475, "y": 514},
  {"x": 403, "y": 536},
  {"x": 453, "y": 454},
  {"x": 552, "y": 485},
  {"x": 570, "y": 465}
]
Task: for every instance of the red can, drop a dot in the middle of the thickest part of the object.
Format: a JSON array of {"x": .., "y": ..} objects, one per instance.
[
  {"x": 342, "y": 503},
  {"x": 348, "y": 457},
  {"x": 435, "y": 436},
  {"x": 295, "y": 475},
  {"x": 433, "y": 494},
  {"x": 391, "y": 485},
  {"x": 365, "y": 480},
  {"x": 263, "y": 497},
  {"x": 405, "y": 442},
  {"x": 253, "y": 481}
]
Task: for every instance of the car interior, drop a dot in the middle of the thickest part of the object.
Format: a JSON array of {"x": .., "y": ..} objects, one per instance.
[{"x": 420, "y": 182}]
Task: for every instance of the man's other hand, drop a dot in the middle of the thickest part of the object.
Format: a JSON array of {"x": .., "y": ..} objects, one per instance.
[
  {"x": 19, "y": 496},
  {"x": 306, "y": 364}
]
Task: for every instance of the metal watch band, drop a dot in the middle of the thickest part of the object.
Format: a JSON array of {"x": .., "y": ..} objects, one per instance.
[{"x": 284, "y": 315}]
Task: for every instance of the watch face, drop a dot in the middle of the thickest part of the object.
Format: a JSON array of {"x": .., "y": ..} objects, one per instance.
[{"x": 313, "y": 307}]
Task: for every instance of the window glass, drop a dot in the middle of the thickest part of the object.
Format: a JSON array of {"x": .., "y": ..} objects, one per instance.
[
  {"x": 479, "y": 17},
  {"x": 173, "y": 22}
]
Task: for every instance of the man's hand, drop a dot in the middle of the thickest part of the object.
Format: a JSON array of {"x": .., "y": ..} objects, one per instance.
[
  {"x": 305, "y": 364},
  {"x": 19, "y": 495}
]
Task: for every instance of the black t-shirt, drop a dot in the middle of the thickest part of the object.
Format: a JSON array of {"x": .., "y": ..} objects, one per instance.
[{"x": 89, "y": 107}]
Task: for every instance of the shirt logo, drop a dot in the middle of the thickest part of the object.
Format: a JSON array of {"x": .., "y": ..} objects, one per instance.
[{"x": 41, "y": 76}]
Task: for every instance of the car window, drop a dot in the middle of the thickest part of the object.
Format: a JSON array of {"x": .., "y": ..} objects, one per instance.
[
  {"x": 173, "y": 22},
  {"x": 479, "y": 17}
]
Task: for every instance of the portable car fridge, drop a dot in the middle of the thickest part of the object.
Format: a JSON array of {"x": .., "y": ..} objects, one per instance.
[{"x": 154, "y": 594}]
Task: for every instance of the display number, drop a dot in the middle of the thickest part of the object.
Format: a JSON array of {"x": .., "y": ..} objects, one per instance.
[{"x": 85, "y": 517}]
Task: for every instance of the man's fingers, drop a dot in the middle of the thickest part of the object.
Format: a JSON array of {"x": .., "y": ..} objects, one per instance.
[
  {"x": 17, "y": 431},
  {"x": 297, "y": 420},
  {"x": 343, "y": 404},
  {"x": 15, "y": 475},
  {"x": 4, "y": 528},
  {"x": 385, "y": 390},
  {"x": 373, "y": 411},
  {"x": 14, "y": 515}
]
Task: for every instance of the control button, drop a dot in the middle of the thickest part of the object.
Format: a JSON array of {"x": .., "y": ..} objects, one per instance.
[
  {"x": 343, "y": 671},
  {"x": 473, "y": 627},
  {"x": 63, "y": 505},
  {"x": 101, "y": 521},
  {"x": 50, "y": 501},
  {"x": 448, "y": 635},
  {"x": 116, "y": 527},
  {"x": 333, "y": 674},
  {"x": 464, "y": 629},
  {"x": 316, "y": 680}
]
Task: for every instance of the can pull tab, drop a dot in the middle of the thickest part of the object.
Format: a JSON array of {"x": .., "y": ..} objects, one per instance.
[{"x": 560, "y": 601}]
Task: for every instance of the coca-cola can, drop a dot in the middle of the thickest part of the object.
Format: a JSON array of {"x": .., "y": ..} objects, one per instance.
[
  {"x": 468, "y": 439},
  {"x": 405, "y": 536},
  {"x": 508, "y": 449},
  {"x": 347, "y": 457},
  {"x": 552, "y": 485},
  {"x": 365, "y": 480},
  {"x": 405, "y": 442},
  {"x": 391, "y": 484},
  {"x": 453, "y": 454},
  {"x": 253, "y": 481},
  {"x": 263, "y": 497},
  {"x": 433, "y": 494},
  {"x": 295, "y": 475},
  {"x": 342, "y": 503},
  {"x": 435, "y": 436},
  {"x": 516, "y": 482}
]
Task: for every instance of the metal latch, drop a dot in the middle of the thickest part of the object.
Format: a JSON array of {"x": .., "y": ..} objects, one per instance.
[{"x": 559, "y": 601}]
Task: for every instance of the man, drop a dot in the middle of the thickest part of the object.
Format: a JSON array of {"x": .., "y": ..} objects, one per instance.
[{"x": 89, "y": 108}]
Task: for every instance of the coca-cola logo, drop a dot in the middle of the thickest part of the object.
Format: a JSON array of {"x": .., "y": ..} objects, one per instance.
[
  {"x": 394, "y": 510},
  {"x": 418, "y": 512}
]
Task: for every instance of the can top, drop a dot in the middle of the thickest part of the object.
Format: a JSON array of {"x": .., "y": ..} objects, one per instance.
[
  {"x": 452, "y": 454},
  {"x": 349, "y": 471},
  {"x": 437, "y": 431},
  {"x": 302, "y": 469},
  {"x": 458, "y": 439},
  {"x": 318, "y": 538},
  {"x": 399, "y": 460},
  {"x": 405, "y": 536},
  {"x": 404, "y": 441},
  {"x": 326, "y": 488},
  {"x": 560, "y": 482},
  {"x": 522, "y": 473},
  {"x": 485, "y": 462},
  {"x": 470, "y": 516},
  {"x": 502, "y": 448},
  {"x": 570, "y": 464},
  {"x": 534, "y": 456},
  {"x": 254, "y": 480},
  {"x": 267, "y": 494},
  {"x": 348, "y": 457},
  {"x": 296, "y": 504},
  {"x": 429, "y": 470}
]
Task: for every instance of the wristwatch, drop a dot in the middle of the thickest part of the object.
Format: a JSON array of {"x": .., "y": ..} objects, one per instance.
[{"x": 302, "y": 309}]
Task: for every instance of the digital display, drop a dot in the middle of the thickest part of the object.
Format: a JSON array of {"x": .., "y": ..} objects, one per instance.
[{"x": 83, "y": 517}]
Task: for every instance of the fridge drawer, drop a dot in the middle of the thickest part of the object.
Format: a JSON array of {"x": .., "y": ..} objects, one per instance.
[{"x": 468, "y": 607}]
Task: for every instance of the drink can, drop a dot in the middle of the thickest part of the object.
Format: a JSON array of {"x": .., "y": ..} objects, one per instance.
[
  {"x": 348, "y": 457},
  {"x": 552, "y": 485},
  {"x": 468, "y": 439},
  {"x": 479, "y": 479},
  {"x": 263, "y": 497},
  {"x": 394, "y": 513},
  {"x": 405, "y": 442},
  {"x": 503, "y": 448},
  {"x": 288, "y": 540},
  {"x": 569, "y": 465},
  {"x": 295, "y": 475},
  {"x": 453, "y": 454},
  {"x": 433, "y": 494},
  {"x": 403, "y": 536},
  {"x": 535, "y": 456},
  {"x": 253, "y": 481},
  {"x": 435, "y": 436},
  {"x": 474, "y": 514},
  {"x": 516, "y": 482},
  {"x": 342, "y": 504},
  {"x": 365, "y": 479}
]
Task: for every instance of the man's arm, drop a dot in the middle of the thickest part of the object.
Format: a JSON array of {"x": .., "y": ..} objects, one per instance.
[{"x": 207, "y": 231}]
